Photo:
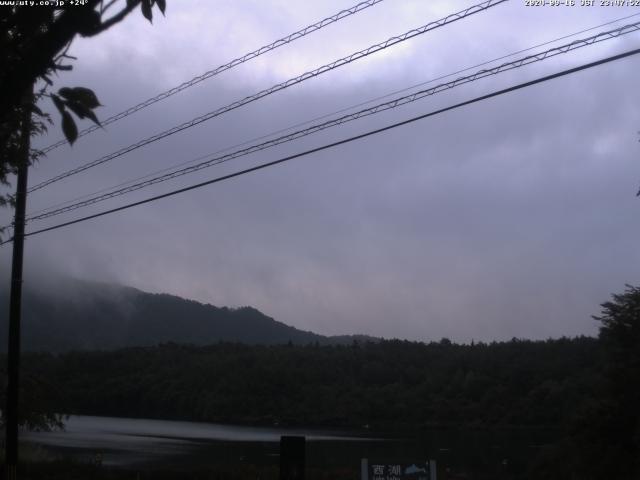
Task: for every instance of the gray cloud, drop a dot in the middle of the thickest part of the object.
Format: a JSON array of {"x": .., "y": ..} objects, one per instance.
[{"x": 514, "y": 217}]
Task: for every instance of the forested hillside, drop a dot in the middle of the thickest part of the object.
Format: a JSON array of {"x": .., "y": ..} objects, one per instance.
[{"x": 78, "y": 315}]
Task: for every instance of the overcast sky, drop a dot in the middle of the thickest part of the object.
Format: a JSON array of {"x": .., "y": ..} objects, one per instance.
[{"x": 516, "y": 216}]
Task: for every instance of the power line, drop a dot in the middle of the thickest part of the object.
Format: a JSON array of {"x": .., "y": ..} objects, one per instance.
[
  {"x": 281, "y": 86},
  {"x": 227, "y": 66},
  {"x": 321, "y": 117},
  {"x": 142, "y": 177},
  {"x": 350, "y": 117},
  {"x": 482, "y": 64},
  {"x": 341, "y": 142}
]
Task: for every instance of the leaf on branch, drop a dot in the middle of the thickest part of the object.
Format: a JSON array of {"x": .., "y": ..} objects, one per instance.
[
  {"x": 57, "y": 101},
  {"x": 66, "y": 92},
  {"x": 81, "y": 95},
  {"x": 78, "y": 109},
  {"x": 89, "y": 23},
  {"x": 82, "y": 111},
  {"x": 35, "y": 109},
  {"x": 145, "y": 6},
  {"x": 162, "y": 5},
  {"x": 69, "y": 127}
]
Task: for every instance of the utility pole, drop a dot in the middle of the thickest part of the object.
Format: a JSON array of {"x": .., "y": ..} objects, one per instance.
[{"x": 13, "y": 356}]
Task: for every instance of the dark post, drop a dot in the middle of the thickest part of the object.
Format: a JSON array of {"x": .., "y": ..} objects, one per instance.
[
  {"x": 292, "y": 458},
  {"x": 13, "y": 355}
]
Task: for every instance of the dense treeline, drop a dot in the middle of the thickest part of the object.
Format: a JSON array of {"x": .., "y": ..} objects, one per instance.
[{"x": 392, "y": 384}]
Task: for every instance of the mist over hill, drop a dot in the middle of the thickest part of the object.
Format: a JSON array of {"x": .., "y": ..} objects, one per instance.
[{"x": 80, "y": 315}]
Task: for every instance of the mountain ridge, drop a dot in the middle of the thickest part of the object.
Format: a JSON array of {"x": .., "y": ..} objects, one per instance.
[{"x": 83, "y": 315}]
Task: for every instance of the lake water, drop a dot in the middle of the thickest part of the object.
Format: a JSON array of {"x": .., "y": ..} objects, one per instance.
[
  {"x": 138, "y": 442},
  {"x": 151, "y": 444}
]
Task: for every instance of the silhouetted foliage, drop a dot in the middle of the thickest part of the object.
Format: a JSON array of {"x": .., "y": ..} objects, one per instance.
[
  {"x": 37, "y": 393},
  {"x": 34, "y": 41},
  {"x": 616, "y": 418},
  {"x": 603, "y": 440}
]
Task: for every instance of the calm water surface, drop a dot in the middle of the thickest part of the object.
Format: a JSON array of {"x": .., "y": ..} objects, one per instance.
[
  {"x": 127, "y": 441},
  {"x": 150, "y": 444}
]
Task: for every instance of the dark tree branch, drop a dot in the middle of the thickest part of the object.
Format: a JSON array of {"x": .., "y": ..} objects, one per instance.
[
  {"x": 108, "y": 6},
  {"x": 117, "y": 18}
]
